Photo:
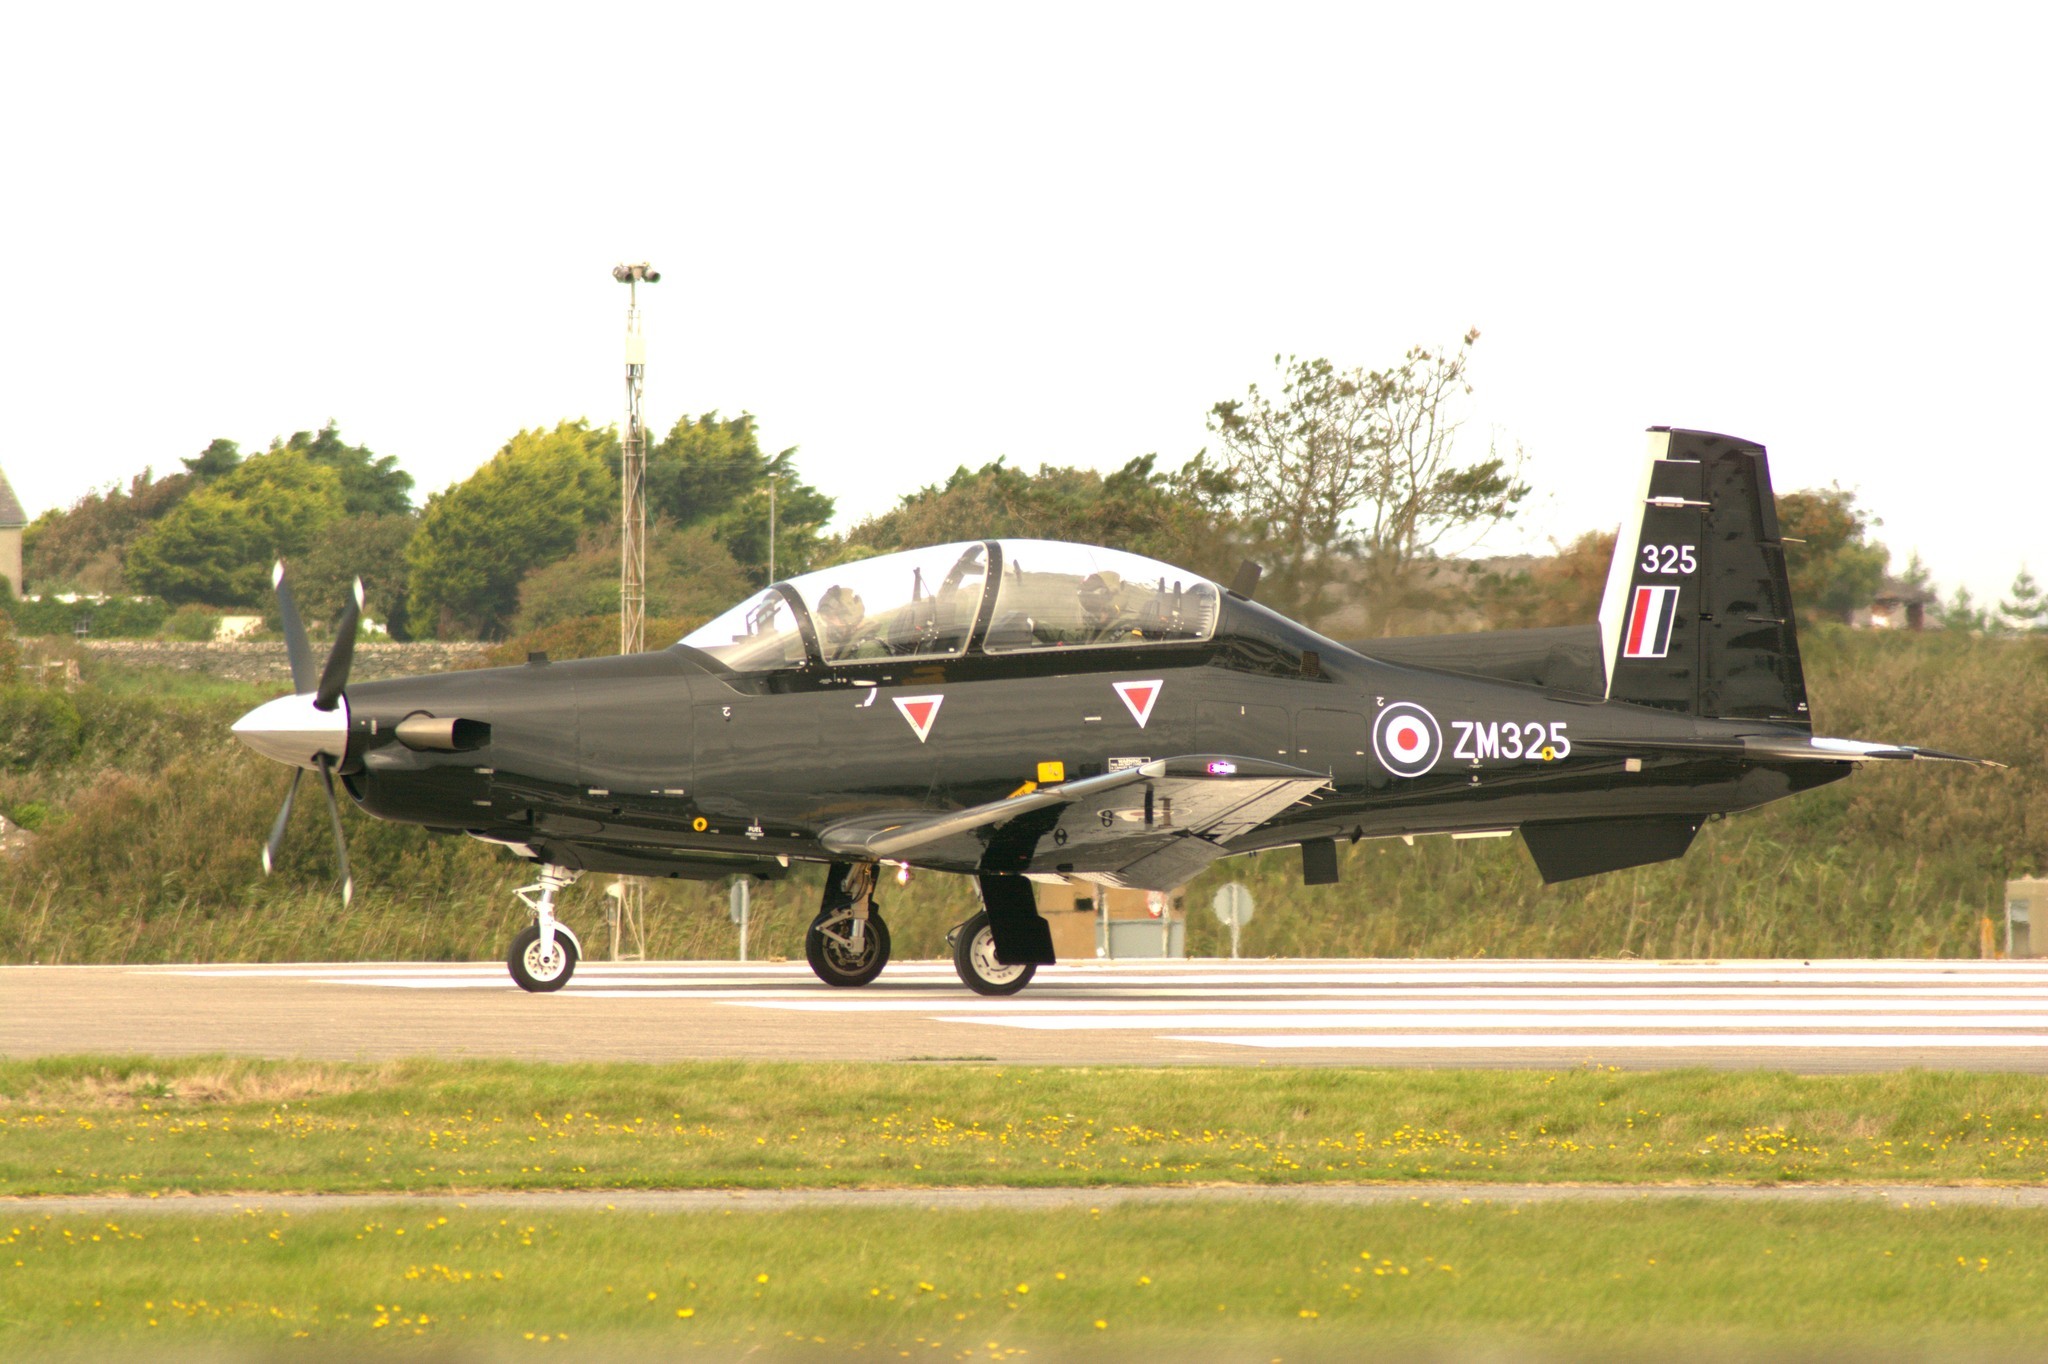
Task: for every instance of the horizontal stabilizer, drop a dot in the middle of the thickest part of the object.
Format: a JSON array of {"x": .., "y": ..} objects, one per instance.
[{"x": 1798, "y": 747}]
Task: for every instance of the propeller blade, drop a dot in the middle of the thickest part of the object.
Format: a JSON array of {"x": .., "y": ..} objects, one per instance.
[
  {"x": 348, "y": 885},
  {"x": 277, "y": 827},
  {"x": 335, "y": 675},
  {"x": 295, "y": 644}
]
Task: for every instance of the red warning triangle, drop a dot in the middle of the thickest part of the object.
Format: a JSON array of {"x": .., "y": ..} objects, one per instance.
[
  {"x": 1139, "y": 698},
  {"x": 920, "y": 711}
]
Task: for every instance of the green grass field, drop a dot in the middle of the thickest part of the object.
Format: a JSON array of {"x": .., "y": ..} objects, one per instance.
[
  {"x": 97, "y": 1126},
  {"x": 1142, "y": 1282}
]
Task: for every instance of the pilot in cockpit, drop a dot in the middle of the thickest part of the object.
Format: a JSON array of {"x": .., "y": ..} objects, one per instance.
[
  {"x": 1105, "y": 611},
  {"x": 844, "y": 631}
]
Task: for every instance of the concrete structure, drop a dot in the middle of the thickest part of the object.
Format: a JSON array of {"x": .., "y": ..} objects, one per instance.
[
  {"x": 12, "y": 522},
  {"x": 1898, "y": 605}
]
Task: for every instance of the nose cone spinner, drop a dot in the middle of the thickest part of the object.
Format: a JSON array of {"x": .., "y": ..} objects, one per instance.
[{"x": 293, "y": 731}]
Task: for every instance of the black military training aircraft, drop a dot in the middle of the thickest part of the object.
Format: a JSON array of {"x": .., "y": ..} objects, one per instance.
[{"x": 1020, "y": 710}]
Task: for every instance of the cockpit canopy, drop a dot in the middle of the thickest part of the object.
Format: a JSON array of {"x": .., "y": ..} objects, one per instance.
[{"x": 932, "y": 603}]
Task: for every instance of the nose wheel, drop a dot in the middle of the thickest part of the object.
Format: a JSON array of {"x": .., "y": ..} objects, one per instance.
[
  {"x": 537, "y": 969},
  {"x": 545, "y": 953}
]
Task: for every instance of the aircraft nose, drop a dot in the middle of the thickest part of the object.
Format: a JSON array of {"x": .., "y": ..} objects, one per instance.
[{"x": 291, "y": 731}]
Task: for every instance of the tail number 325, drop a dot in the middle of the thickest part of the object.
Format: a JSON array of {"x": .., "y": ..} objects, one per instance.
[{"x": 1669, "y": 559}]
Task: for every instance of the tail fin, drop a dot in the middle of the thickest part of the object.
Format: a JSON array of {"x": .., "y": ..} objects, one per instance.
[{"x": 1697, "y": 616}]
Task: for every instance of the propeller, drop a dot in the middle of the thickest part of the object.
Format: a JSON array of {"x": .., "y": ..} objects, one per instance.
[{"x": 323, "y": 691}]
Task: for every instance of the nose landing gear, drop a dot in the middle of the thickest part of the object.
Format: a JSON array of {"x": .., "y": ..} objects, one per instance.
[{"x": 545, "y": 952}]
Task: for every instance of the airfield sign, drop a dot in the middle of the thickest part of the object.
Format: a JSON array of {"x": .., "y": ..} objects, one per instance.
[{"x": 1233, "y": 906}]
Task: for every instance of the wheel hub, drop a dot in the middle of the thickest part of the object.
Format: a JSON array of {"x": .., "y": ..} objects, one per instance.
[
  {"x": 991, "y": 970},
  {"x": 545, "y": 967},
  {"x": 839, "y": 946}
]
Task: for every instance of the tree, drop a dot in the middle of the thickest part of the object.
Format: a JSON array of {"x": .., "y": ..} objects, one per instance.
[
  {"x": 1838, "y": 569},
  {"x": 1563, "y": 588},
  {"x": 370, "y": 486},
  {"x": 528, "y": 506},
  {"x": 689, "y": 575},
  {"x": 710, "y": 471},
  {"x": 369, "y": 547},
  {"x": 85, "y": 546},
  {"x": 219, "y": 457},
  {"x": 1177, "y": 516},
  {"x": 2026, "y": 609},
  {"x": 217, "y": 545},
  {"x": 1961, "y": 613},
  {"x": 1351, "y": 466}
]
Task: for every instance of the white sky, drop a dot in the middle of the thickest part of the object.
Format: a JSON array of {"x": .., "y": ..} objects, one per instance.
[{"x": 911, "y": 237}]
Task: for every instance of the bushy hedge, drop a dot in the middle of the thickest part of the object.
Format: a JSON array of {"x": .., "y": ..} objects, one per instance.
[{"x": 115, "y": 618}]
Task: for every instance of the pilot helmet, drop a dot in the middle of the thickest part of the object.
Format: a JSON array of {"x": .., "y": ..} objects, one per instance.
[
  {"x": 1098, "y": 592},
  {"x": 841, "y": 606}
]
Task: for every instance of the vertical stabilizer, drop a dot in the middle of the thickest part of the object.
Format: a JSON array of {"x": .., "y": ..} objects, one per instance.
[{"x": 1697, "y": 616}]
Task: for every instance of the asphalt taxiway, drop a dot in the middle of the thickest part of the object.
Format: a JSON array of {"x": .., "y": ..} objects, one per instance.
[{"x": 1808, "y": 1017}]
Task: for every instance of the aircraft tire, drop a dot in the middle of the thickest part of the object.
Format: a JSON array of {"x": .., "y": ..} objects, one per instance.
[
  {"x": 833, "y": 962},
  {"x": 530, "y": 972},
  {"x": 974, "y": 957}
]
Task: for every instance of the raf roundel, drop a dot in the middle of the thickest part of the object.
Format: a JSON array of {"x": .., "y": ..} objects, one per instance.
[{"x": 1407, "y": 739}]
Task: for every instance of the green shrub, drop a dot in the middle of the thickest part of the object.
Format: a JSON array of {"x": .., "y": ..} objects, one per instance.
[
  {"x": 193, "y": 622},
  {"x": 30, "y": 814},
  {"x": 114, "y": 618},
  {"x": 39, "y": 727}
]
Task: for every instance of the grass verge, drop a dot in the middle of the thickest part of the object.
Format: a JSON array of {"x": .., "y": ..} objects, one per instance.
[
  {"x": 1145, "y": 1281},
  {"x": 87, "y": 1125}
]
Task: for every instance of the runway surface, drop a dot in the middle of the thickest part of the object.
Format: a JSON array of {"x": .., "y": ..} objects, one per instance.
[
  {"x": 1037, "y": 1200},
  {"x": 1800, "y": 1016}
]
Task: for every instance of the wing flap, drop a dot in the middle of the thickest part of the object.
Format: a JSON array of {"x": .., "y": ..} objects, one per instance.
[{"x": 1214, "y": 797}]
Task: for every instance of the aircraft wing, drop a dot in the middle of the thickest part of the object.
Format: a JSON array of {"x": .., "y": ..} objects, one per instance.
[{"x": 1151, "y": 821}]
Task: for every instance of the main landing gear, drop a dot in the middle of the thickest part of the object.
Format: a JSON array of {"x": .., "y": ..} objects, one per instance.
[
  {"x": 999, "y": 950},
  {"x": 974, "y": 957},
  {"x": 848, "y": 944},
  {"x": 545, "y": 953}
]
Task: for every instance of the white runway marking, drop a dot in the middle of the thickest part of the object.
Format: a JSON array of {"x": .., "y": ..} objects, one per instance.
[
  {"x": 1364, "y": 1007},
  {"x": 1576, "y": 1018},
  {"x": 1601, "y": 1041}
]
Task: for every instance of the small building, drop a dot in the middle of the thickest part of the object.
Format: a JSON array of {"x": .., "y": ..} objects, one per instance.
[
  {"x": 1898, "y": 605},
  {"x": 12, "y": 522}
]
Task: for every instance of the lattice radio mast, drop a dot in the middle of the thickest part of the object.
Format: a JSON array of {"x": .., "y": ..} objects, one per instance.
[{"x": 628, "y": 894}]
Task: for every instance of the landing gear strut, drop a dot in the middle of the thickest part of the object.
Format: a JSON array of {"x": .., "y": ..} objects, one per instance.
[
  {"x": 848, "y": 944},
  {"x": 545, "y": 953}
]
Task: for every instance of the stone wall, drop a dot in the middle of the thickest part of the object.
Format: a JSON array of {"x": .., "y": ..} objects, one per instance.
[{"x": 268, "y": 662}]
